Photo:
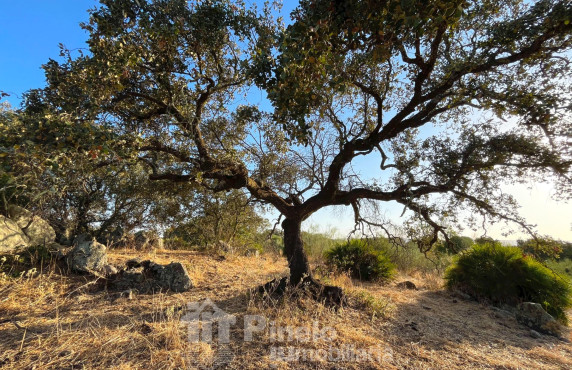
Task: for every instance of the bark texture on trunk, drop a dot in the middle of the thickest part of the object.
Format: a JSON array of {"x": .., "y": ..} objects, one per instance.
[
  {"x": 294, "y": 250},
  {"x": 301, "y": 281}
]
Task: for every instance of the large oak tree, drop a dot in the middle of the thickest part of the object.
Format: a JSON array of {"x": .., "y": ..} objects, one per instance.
[{"x": 451, "y": 97}]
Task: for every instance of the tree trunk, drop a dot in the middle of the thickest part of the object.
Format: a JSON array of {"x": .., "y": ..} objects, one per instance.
[
  {"x": 300, "y": 273},
  {"x": 294, "y": 250}
]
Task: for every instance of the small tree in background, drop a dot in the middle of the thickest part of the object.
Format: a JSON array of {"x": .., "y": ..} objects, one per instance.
[
  {"x": 455, "y": 244},
  {"x": 228, "y": 217},
  {"x": 541, "y": 248}
]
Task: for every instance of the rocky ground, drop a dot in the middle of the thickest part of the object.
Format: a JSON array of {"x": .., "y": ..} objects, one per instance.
[{"x": 55, "y": 320}]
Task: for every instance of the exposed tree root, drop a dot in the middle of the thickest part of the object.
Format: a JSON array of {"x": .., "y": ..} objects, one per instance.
[{"x": 329, "y": 295}]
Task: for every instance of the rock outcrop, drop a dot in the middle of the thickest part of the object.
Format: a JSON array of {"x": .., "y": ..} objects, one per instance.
[
  {"x": 535, "y": 317},
  {"x": 22, "y": 229},
  {"x": 148, "y": 276},
  {"x": 88, "y": 255},
  {"x": 147, "y": 240},
  {"x": 36, "y": 228},
  {"x": 12, "y": 238}
]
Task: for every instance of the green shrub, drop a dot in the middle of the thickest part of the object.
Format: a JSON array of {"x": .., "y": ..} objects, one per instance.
[
  {"x": 176, "y": 242},
  {"x": 316, "y": 243},
  {"x": 456, "y": 245},
  {"x": 408, "y": 259},
  {"x": 361, "y": 260},
  {"x": 273, "y": 245},
  {"x": 504, "y": 275}
]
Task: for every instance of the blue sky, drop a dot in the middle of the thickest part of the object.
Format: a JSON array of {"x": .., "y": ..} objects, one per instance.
[
  {"x": 29, "y": 36},
  {"x": 32, "y": 29}
]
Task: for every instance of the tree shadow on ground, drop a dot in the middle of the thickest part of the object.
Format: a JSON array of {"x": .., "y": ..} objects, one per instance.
[{"x": 438, "y": 320}]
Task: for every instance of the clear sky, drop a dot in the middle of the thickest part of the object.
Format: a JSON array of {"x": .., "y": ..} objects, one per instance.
[{"x": 31, "y": 30}]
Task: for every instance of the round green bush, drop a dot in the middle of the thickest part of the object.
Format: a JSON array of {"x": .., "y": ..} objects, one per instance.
[
  {"x": 361, "y": 260},
  {"x": 504, "y": 275}
]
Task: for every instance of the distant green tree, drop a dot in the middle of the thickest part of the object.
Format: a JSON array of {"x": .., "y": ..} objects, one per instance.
[
  {"x": 316, "y": 242},
  {"x": 56, "y": 172},
  {"x": 456, "y": 244},
  {"x": 566, "y": 250},
  {"x": 228, "y": 217},
  {"x": 486, "y": 240},
  {"x": 543, "y": 248}
]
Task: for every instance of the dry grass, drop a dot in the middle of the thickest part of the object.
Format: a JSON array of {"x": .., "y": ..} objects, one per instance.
[{"x": 58, "y": 321}]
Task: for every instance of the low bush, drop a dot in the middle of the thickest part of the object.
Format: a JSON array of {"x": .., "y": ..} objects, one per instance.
[
  {"x": 456, "y": 245},
  {"x": 176, "y": 242},
  {"x": 504, "y": 275},
  {"x": 361, "y": 260},
  {"x": 409, "y": 260},
  {"x": 32, "y": 258}
]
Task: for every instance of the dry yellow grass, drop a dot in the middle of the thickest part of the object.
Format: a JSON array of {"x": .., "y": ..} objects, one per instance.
[{"x": 58, "y": 321}]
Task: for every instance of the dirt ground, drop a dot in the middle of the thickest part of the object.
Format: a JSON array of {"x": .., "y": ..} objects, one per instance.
[{"x": 52, "y": 320}]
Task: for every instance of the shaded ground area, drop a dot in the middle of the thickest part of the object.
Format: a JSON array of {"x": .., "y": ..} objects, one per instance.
[
  {"x": 434, "y": 329},
  {"x": 58, "y": 321}
]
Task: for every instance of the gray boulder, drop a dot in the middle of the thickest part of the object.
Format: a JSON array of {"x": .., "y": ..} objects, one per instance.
[
  {"x": 147, "y": 240},
  {"x": 149, "y": 276},
  {"x": 535, "y": 317},
  {"x": 88, "y": 255},
  {"x": 36, "y": 228},
  {"x": 12, "y": 238},
  {"x": 172, "y": 277},
  {"x": 114, "y": 238},
  {"x": 109, "y": 270},
  {"x": 406, "y": 285}
]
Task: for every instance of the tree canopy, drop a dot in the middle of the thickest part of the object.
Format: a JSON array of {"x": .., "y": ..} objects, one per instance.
[{"x": 453, "y": 98}]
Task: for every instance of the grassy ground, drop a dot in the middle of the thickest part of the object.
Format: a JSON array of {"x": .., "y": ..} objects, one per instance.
[{"x": 66, "y": 322}]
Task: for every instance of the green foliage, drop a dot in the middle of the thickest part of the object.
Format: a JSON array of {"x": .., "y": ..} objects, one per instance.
[
  {"x": 456, "y": 244},
  {"x": 316, "y": 243},
  {"x": 542, "y": 248},
  {"x": 408, "y": 258},
  {"x": 562, "y": 267},
  {"x": 361, "y": 260},
  {"x": 273, "y": 245},
  {"x": 485, "y": 240},
  {"x": 566, "y": 250},
  {"x": 177, "y": 242},
  {"x": 228, "y": 217},
  {"x": 504, "y": 275},
  {"x": 54, "y": 169},
  {"x": 32, "y": 258}
]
